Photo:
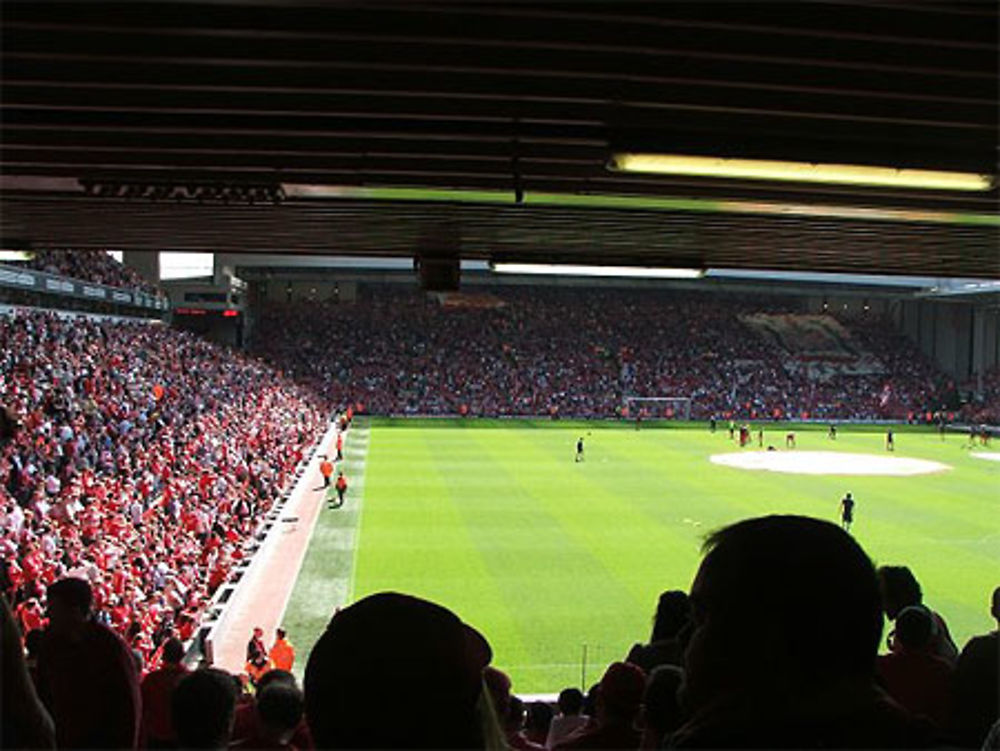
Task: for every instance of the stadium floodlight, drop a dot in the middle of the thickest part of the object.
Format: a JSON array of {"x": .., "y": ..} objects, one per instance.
[
  {"x": 765, "y": 169},
  {"x": 564, "y": 269}
]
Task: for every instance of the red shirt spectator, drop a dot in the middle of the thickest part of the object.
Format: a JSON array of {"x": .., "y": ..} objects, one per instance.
[
  {"x": 913, "y": 676},
  {"x": 157, "y": 687}
]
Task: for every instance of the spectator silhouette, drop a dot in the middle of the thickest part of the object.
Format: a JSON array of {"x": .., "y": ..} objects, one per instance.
[
  {"x": 280, "y": 707},
  {"x": 497, "y": 685},
  {"x": 570, "y": 717},
  {"x": 673, "y": 613},
  {"x": 86, "y": 675},
  {"x": 787, "y": 622},
  {"x": 900, "y": 589},
  {"x": 513, "y": 727},
  {"x": 25, "y": 721},
  {"x": 977, "y": 685},
  {"x": 249, "y": 729},
  {"x": 395, "y": 671},
  {"x": 157, "y": 689},
  {"x": 917, "y": 679},
  {"x": 618, "y": 700},
  {"x": 538, "y": 720},
  {"x": 203, "y": 705},
  {"x": 660, "y": 714}
]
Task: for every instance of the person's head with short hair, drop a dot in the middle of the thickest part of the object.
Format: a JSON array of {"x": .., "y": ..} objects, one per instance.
[
  {"x": 995, "y": 605},
  {"x": 621, "y": 692},
  {"x": 280, "y": 706},
  {"x": 68, "y": 604},
  {"x": 275, "y": 675},
  {"x": 570, "y": 701},
  {"x": 780, "y": 602},
  {"x": 203, "y": 706},
  {"x": 660, "y": 707},
  {"x": 280, "y": 633},
  {"x": 33, "y": 642},
  {"x": 538, "y": 718},
  {"x": 173, "y": 651},
  {"x": 513, "y": 718},
  {"x": 914, "y": 628},
  {"x": 899, "y": 589},
  {"x": 258, "y": 632},
  {"x": 673, "y": 611},
  {"x": 395, "y": 657}
]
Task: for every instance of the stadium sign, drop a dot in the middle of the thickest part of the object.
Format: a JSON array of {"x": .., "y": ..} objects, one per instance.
[{"x": 19, "y": 278}]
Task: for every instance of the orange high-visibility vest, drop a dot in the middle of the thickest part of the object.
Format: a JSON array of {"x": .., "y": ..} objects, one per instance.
[
  {"x": 282, "y": 655},
  {"x": 326, "y": 468}
]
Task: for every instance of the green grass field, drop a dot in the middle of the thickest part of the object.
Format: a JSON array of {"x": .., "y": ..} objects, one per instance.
[{"x": 544, "y": 555}]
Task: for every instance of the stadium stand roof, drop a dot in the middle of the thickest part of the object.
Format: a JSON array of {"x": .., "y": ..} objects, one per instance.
[{"x": 484, "y": 129}]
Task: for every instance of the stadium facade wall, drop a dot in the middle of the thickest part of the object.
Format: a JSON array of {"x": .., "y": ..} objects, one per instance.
[
  {"x": 289, "y": 290},
  {"x": 146, "y": 262},
  {"x": 962, "y": 339}
]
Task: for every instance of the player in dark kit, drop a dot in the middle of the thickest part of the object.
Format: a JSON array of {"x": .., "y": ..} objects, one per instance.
[
  {"x": 832, "y": 435},
  {"x": 890, "y": 444},
  {"x": 847, "y": 512},
  {"x": 711, "y": 424},
  {"x": 579, "y": 450}
]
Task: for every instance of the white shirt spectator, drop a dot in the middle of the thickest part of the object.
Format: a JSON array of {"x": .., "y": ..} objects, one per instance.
[
  {"x": 563, "y": 726},
  {"x": 15, "y": 520}
]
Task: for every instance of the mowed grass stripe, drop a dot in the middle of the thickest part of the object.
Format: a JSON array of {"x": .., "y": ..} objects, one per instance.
[
  {"x": 415, "y": 539},
  {"x": 542, "y": 557},
  {"x": 324, "y": 581},
  {"x": 618, "y": 505}
]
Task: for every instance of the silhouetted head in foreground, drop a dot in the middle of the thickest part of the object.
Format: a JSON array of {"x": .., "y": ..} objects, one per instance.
[
  {"x": 914, "y": 628},
  {"x": 673, "y": 611},
  {"x": 203, "y": 706},
  {"x": 394, "y": 671},
  {"x": 787, "y": 622},
  {"x": 900, "y": 589},
  {"x": 69, "y": 603}
]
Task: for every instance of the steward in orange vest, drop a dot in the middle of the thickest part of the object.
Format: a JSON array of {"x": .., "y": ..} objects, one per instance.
[
  {"x": 326, "y": 467},
  {"x": 282, "y": 653}
]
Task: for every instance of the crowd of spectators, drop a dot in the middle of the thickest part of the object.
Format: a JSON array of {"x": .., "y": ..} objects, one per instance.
[
  {"x": 142, "y": 459},
  {"x": 579, "y": 352},
  {"x": 986, "y": 408},
  {"x": 95, "y": 266},
  {"x": 775, "y": 646}
]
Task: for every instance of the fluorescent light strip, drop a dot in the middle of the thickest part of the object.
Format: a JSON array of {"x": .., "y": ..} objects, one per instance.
[
  {"x": 642, "y": 272},
  {"x": 761, "y": 169}
]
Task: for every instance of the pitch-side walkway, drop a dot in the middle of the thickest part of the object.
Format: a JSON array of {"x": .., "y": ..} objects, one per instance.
[{"x": 261, "y": 596}]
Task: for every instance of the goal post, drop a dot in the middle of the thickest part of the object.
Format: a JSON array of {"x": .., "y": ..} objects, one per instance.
[{"x": 659, "y": 407}]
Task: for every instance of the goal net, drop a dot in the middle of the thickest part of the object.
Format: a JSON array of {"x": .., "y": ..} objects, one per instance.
[{"x": 659, "y": 407}]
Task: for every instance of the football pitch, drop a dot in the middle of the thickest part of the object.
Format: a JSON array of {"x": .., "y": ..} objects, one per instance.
[{"x": 560, "y": 563}]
